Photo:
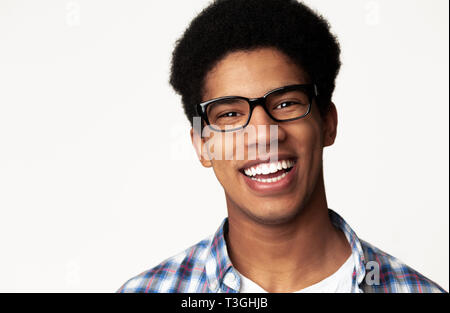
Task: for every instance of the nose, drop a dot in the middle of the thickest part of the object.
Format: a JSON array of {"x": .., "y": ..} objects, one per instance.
[
  {"x": 266, "y": 129},
  {"x": 260, "y": 117}
]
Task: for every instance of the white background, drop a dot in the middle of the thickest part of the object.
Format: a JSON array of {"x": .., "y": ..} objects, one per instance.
[{"x": 98, "y": 180}]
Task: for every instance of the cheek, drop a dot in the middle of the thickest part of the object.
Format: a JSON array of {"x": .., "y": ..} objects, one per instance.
[
  {"x": 225, "y": 173},
  {"x": 220, "y": 149},
  {"x": 307, "y": 137},
  {"x": 220, "y": 146}
]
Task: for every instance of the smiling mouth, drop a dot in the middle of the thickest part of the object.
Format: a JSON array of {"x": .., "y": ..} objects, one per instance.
[{"x": 269, "y": 172}]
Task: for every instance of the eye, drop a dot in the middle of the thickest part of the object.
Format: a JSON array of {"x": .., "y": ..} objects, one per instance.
[
  {"x": 229, "y": 114},
  {"x": 285, "y": 104}
]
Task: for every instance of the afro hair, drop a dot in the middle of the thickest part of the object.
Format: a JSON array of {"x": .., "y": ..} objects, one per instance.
[{"x": 232, "y": 25}]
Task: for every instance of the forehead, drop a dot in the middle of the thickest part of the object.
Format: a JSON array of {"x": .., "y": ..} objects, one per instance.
[{"x": 252, "y": 73}]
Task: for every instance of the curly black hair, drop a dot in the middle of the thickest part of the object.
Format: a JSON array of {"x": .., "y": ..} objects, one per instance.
[{"x": 232, "y": 25}]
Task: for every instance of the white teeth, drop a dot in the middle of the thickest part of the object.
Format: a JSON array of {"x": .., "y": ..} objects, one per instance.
[
  {"x": 279, "y": 166},
  {"x": 265, "y": 169},
  {"x": 273, "y": 167},
  {"x": 270, "y": 180},
  {"x": 268, "y": 168}
]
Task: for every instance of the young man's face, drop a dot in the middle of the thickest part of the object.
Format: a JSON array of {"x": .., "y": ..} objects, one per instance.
[{"x": 300, "y": 142}]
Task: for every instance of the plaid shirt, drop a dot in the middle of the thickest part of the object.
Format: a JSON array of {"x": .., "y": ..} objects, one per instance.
[{"x": 206, "y": 267}]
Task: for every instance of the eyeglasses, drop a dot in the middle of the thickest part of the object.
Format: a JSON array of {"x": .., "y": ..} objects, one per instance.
[{"x": 283, "y": 104}]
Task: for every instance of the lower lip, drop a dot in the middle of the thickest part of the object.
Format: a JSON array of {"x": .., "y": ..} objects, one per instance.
[{"x": 274, "y": 187}]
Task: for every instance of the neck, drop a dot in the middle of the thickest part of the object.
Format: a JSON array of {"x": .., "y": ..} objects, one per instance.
[{"x": 289, "y": 256}]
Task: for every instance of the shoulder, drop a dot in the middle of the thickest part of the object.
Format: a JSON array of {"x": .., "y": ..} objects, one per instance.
[
  {"x": 387, "y": 274},
  {"x": 183, "y": 272}
]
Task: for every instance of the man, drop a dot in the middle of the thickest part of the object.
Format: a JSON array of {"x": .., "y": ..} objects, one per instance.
[{"x": 262, "y": 73}]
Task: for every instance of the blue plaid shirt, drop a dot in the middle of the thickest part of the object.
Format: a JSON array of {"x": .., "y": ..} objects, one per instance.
[{"x": 206, "y": 267}]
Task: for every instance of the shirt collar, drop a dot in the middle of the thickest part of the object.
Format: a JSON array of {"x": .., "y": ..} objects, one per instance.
[
  {"x": 218, "y": 263},
  {"x": 355, "y": 244},
  {"x": 221, "y": 275}
]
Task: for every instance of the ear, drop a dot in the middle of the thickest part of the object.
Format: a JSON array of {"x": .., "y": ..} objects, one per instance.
[
  {"x": 199, "y": 146},
  {"x": 330, "y": 121}
]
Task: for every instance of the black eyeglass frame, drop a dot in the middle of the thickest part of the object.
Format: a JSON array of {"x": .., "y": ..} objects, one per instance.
[{"x": 311, "y": 90}]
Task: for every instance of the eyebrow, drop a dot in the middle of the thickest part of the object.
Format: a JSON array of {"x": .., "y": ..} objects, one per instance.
[
  {"x": 285, "y": 84},
  {"x": 227, "y": 99}
]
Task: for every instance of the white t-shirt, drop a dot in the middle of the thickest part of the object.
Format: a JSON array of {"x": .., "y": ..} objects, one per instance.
[{"x": 339, "y": 282}]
